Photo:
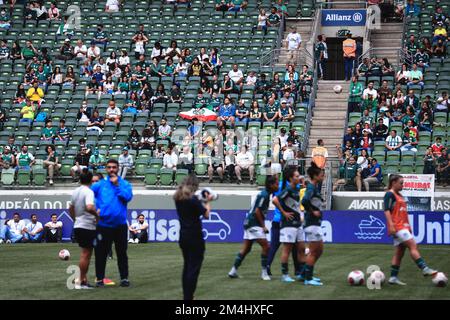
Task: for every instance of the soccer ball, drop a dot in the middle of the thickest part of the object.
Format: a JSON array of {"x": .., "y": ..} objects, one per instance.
[
  {"x": 356, "y": 278},
  {"x": 376, "y": 277},
  {"x": 337, "y": 89},
  {"x": 440, "y": 279},
  {"x": 64, "y": 254}
]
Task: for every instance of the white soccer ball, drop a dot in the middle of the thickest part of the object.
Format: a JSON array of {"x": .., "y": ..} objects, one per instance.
[
  {"x": 337, "y": 89},
  {"x": 356, "y": 278},
  {"x": 64, "y": 254},
  {"x": 376, "y": 277},
  {"x": 440, "y": 279}
]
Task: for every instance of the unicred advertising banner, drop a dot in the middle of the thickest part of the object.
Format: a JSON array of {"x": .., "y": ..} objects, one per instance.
[{"x": 226, "y": 225}]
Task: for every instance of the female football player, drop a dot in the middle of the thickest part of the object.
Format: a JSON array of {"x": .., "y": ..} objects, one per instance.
[
  {"x": 395, "y": 210},
  {"x": 312, "y": 202},
  {"x": 255, "y": 229}
]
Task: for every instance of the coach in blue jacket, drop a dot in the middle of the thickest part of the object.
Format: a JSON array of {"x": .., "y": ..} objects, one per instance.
[{"x": 112, "y": 195}]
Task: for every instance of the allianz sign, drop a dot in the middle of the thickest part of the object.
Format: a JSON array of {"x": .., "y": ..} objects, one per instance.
[{"x": 333, "y": 18}]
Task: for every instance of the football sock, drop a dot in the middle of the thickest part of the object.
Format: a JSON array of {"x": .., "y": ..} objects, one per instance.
[
  {"x": 309, "y": 271},
  {"x": 264, "y": 261},
  {"x": 394, "y": 270},
  {"x": 238, "y": 260},
  {"x": 420, "y": 263},
  {"x": 301, "y": 268},
  {"x": 284, "y": 268}
]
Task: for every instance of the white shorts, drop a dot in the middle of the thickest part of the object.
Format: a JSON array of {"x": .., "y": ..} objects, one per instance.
[
  {"x": 254, "y": 233},
  {"x": 292, "y": 235},
  {"x": 75, "y": 169},
  {"x": 402, "y": 236},
  {"x": 313, "y": 234}
]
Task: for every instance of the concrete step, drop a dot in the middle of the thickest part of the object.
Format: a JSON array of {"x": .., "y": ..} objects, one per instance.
[{"x": 333, "y": 123}]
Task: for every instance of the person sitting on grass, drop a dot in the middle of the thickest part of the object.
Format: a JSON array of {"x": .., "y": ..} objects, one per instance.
[
  {"x": 138, "y": 231},
  {"x": 12, "y": 231},
  {"x": 53, "y": 230},
  {"x": 33, "y": 231}
]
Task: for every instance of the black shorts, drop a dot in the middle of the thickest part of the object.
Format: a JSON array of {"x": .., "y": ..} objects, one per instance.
[{"x": 84, "y": 237}]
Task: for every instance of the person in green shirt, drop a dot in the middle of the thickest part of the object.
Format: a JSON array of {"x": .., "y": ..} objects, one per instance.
[
  {"x": 352, "y": 173},
  {"x": 274, "y": 18},
  {"x": 29, "y": 51},
  {"x": 355, "y": 98},
  {"x": 271, "y": 111},
  {"x": 321, "y": 55},
  {"x": 169, "y": 69},
  {"x": 96, "y": 161},
  {"x": 135, "y": 84},
  {"x": 412, "y": 45},
  {"x": 48, "y": 133},
  {"x": 24, "y": 160},
  {"x": 124, "y": 85},
  {"x": 200, "y": 101}
]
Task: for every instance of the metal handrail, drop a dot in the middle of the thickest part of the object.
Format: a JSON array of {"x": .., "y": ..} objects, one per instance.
[
  {"x": 329, "y": 5},
  {"x": 402, "y": 56}
]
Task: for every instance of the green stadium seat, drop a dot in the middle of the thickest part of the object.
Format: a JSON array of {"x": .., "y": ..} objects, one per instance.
[
  {"x": 180, "y": 175},
  {"x": 151, "y": 176},
  {"x": 166, "y": 176},
  {"x": 141, "y": 165},
  {"x": 7, "y": 176},
  {"x": 39, "y": 176},
  {"x": 23, "y": 177}
]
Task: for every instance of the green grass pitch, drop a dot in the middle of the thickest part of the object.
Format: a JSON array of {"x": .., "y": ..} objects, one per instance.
[{"x": 35, "y": 272}]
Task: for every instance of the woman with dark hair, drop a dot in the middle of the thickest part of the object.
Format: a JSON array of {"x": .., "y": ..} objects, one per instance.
[
  {"x": 312, "y": 202},
  {"x": 396, "y": 212},
  {"x": 291, "y": 232},
  {"x": 134, "y": 139},
  {"x": 160, "y": 95},
  {"x": 20, "y": 93},
  {"x": 173, "y": 52},
  {"x": 16, "y": 51},
  {"x": 205, "y": 87},
  {"x": 148, "y": 140},
  {"x": 255, "y": 229},
  {"x": 215, "y": 60},
  {"x": 195, "y": 69},
  {"x": 189, "y": 210},
  {"x": 69, "y": 79},
  {"x": 387, "y": 68}
]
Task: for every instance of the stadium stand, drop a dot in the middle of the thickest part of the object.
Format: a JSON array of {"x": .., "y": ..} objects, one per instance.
[
  {"x": 105, "y": 74},
  {"x": 411, "y": 98}
]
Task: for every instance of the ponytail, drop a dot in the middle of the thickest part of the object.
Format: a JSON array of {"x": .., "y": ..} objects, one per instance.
[{"x": 392, "y": 179}]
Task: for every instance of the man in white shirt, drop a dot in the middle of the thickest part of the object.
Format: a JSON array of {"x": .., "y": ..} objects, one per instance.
[
  {"x": 112, "y": 6},
  {"x": 125, "y": 162},
  {"x": 138, "y": 230},
  {"x": 294, "y": 41},
  {"x": 12, "y": 232},
  {"x": 34, "y": 231},
  {"x": 170, "y": 159},
  {"x": 113, "y": 113},
  {"x": 244, "y": 161},
  {"x": 370, "y": 96},
  {"x": 53, "y": 230},
  {"x": 83, "y": 212},
  {"x": 80, "y": 51},
  {"x": 237, "y": 76},
  {"x": 186, "y": 159},
  {"x": 93, "y": 52}
]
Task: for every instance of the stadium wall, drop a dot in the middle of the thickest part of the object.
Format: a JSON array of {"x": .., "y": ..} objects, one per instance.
[{"x": 360, "y": 225}]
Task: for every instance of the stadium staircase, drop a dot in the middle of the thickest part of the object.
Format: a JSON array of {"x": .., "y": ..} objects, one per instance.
[
  {"x": 329, "y": 116},
  {"x": 387, "y": 41},
  {"x": 304, "y": 28}
]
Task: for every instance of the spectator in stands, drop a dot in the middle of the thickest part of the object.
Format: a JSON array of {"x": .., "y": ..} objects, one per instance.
[
  {"x": 138, "y": 230},
  {"x": 363, "y": 68},
  {"x": 94, "y": 87},
  {"x": 443, "y": 102},
  {"x": 216, "y": 163},
  {"x": 35, "y": 94},
  {"x": 429, "y": 161},
  {"x": 33, "y": 231},
  {"x": 412, "y": 100},
  {"x": 113, "y": 113},
  {"x": 16, "y": 51},
  {"x": 251, "y": 79},
  {"x": 164, "y": 130},
  {"x": 237, "y": 5},
  {"x": 415, "y": 77},
  {"x": 262, "y": 21},
  {"x": 29, "y": 51},
  {"x": 422, "y": 59},
  {"x": 375, "y": 175},
  {"x": 53, "y": 230},
  {"x": 294, "y": 42},
  {"x": 437, "y": 147},
  {"x": 186, "y": 159},
  {"x": 227, "y": 112},
  {"x": 402, "y": 75},
  {"x": 53, "y": 12},
  {"x": 125, "y": 162},
  {"x": 352, "y": 173},
  {"x": 366, "y": 118},
  {"x": 255, "y": 112},
  {"x": 112, "y": 6},
  {"x": 66, "y": 52},
  {"x": 375, "y": 69},
  {"x": 271, "y": 111},
  {"x": 380, "y": 131},
  {"x": 93, "y": 52},
  {"x": 133, "y": 139},
  {"x": 4, "y": 50},
  {"x": 5, "y": 20},
  {"x": 80, "y": 51},
  {"x": 412, "y": 46},
  {"x": 244, "y": 161},
  {"x": 7, "y": 159},
  {"x": 443, "y": 169},
  {"x": 386, "y": 67},
  {"x": 222, "y": 5},
  {"x": 148, "y": 140},
  {"x": 195, "y": 68},
  {"x": 355, "y": 99},
  {"x": 2, "y": 118},
  {"x": 13, "y": 231},
  {"x": 96, "y": 122},
  {"x": 24, "y": 160},
  {"x": 242, "y": 113},
  {"x": 51, "y": 163},
  {"x": 48, "y": 132},
  {"x": 365, "y": 142},
  {"x": 101, "y": 37},
  {"x": 97, "y": 161},
  {"x": 393, "y": 142},
  {"x": 349, "y": 50},
  {"x": 81, "y": 161},
  {"x": 409, "y": 142},
  {"x": 440, "y": 49},
  {"x": 170, "y": 159},
  {"x": 412, "y": 9},
  {"x": 285, "y": 112},
  {"x": 237, "y": 77},
  {"x": 440, "y": 33},
  {"x": 14, "y": 148},
  {"x": 370, "y": 96},
  {"x": 321, "y": 54}
]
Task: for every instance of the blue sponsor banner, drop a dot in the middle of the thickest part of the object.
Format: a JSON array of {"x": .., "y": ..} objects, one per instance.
[
  {"x": 226, "y": 225},
  {"x": 339, "y": 18}
]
